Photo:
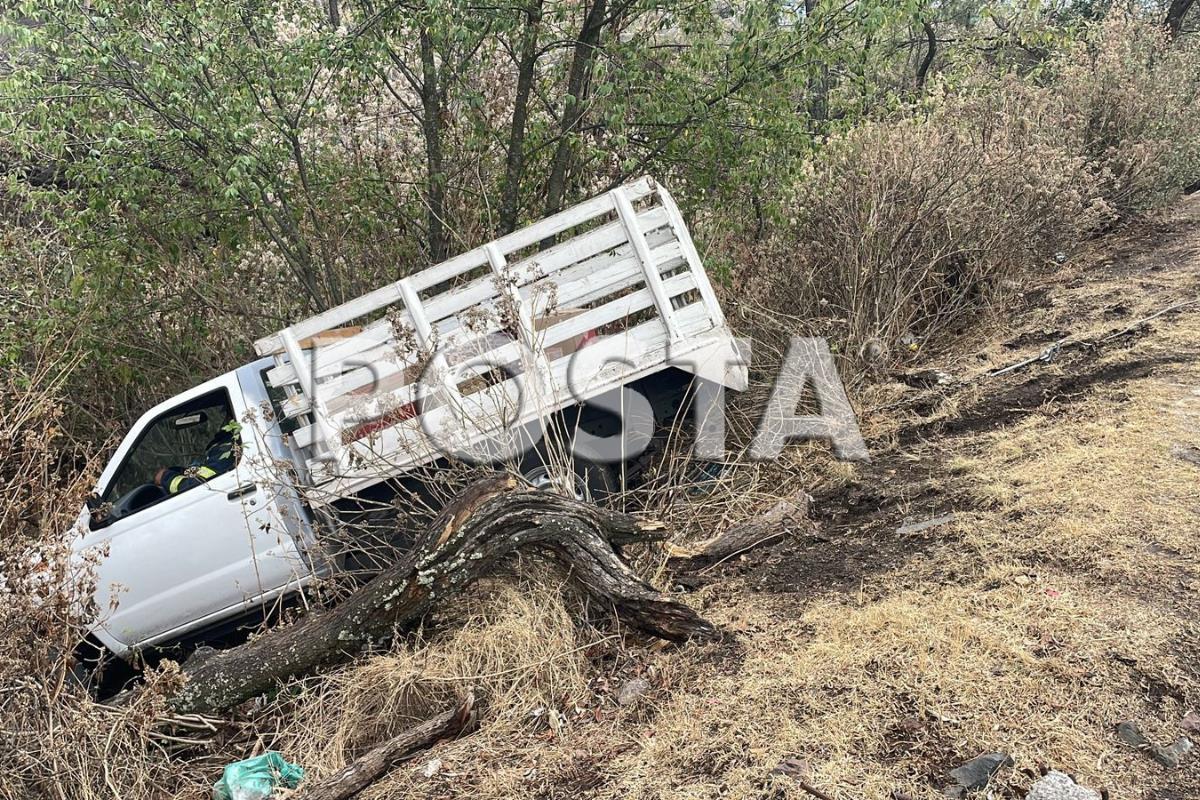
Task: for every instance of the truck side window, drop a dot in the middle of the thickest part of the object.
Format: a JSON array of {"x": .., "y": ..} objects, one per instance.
[
  {"x": 181, "y": 449},
  {"x": 278, "y": 396}
]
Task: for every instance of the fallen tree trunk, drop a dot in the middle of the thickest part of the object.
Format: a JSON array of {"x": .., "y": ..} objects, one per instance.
[
  {"x": 492, "y": 519},
  {"x": 354, "y": 777}
]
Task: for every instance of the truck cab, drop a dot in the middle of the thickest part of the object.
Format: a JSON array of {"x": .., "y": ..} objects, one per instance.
[{"x": 177, "y": 562}]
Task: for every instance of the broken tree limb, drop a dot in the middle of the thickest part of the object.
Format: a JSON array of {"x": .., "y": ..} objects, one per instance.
[
  {"x": 492, "y": 519},
  {"x": 782, "y": 517},
  {"x": 354, "y": 777}
]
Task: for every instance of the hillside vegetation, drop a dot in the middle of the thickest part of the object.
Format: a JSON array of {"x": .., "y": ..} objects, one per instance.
[{"x": 903, "y": 179}]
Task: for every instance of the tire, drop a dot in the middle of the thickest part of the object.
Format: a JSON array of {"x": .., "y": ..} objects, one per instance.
[
  {"x": 372, "y": 541},
  {"x": 80, "y": 675},
  {"x": 589, "y": 481},
  {"x": 97, "y": 671}
]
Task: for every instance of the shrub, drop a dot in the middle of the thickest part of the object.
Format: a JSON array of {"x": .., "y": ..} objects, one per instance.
[
  {"x": 1134, "y": 96},
  {"x": 53, "y": 729},
  {"x": 905, "y": 224}
]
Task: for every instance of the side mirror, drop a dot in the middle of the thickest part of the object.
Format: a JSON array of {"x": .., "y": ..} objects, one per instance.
[{"x": 97, "y": 511}]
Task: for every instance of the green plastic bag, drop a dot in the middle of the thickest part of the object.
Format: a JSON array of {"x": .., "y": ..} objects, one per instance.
[{"x": 256, "y": 778}]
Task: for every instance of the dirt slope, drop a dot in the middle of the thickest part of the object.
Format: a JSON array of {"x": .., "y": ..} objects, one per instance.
[
  {"x": 1059, "y": 599},
  {"x": 1054, "y": 595}
]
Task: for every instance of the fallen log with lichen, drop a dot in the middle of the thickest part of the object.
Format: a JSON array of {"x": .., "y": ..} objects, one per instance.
[{"x": 474, "y": 534}]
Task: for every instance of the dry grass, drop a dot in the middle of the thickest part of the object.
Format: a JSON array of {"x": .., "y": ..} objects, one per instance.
[
  {"x": 1055, "y": 607},
  {"x": 1052, "y": 610},
  {"x": 875, "y": 694},
  {"x": 516, "y": 646},
  {"x": 1032, "y": 629},
  {"x": 1018, "y": 637}
]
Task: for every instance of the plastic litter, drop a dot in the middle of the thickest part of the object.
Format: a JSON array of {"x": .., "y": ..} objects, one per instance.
[{"x": 256, "y": 778}]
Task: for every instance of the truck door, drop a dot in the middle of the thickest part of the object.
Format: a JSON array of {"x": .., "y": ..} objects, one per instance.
[{"x": 200, "y": 543}]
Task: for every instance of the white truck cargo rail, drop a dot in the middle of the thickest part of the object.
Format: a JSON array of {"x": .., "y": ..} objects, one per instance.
[{"x": 485, "y": 341}]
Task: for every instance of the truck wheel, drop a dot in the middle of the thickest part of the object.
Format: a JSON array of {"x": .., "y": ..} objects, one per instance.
[
  {"x": 80, "y": 674},
  {"x": 373, "y": 540},
  {"x": 588, "y": 481},
  {"x": 97, "y": 671}
]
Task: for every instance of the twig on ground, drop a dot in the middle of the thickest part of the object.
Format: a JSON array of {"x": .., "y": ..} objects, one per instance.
[
  {"x": 164, "y": 737},
  {"x": 814, "y": 791},
  {"x": 1046, "y": 355},
  {"x": 1150, "y": 318},
  {"x": 356, "y": 776}
]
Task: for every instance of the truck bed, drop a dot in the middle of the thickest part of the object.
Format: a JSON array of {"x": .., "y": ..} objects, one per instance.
[{"x": 498, "y": 337}]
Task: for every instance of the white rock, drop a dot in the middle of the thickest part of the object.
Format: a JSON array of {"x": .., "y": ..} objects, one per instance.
[{"x": 1057, "y": 786}]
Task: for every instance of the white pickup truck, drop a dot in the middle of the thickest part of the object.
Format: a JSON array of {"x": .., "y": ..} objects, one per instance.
[{"x": 459, "y": 360}]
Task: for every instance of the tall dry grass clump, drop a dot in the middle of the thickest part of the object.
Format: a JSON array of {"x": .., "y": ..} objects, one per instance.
[
  {"x": 905, "y": 225},
  {"x": 517, "y": 647},
  {"x": 57, "y": 742}
]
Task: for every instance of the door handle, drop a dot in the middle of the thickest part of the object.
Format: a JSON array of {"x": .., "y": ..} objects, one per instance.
[{"x": 242, "y": 491}]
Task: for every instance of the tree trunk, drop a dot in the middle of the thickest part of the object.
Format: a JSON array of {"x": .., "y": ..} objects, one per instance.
[
  {"x": 573, "y": 103},
  {"x": 514, "y": 168},
  {"x": 353, "y": 778},
  {"x": 491, "y": 520},
  {"x": 1176, "y": 13},
  {"x": 930, "y": 52},
  {"x": 432, "y": 104}
]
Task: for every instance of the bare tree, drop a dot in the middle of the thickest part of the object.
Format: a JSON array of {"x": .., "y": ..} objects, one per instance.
[
  {"x": 930, "y": 53},
  {"x": 578, "y": 78},
  {"x": 433, "y": 101}
]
